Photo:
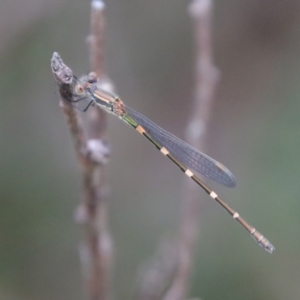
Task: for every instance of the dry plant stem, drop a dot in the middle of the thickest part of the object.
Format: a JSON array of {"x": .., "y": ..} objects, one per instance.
[
  {"x": 155, "y": 277},
  {"x": 97, "y": 117},
  {"x": 64, "y": 77},
  {"x": 99, "y": 276},
  {"x": 96, "y": 38},
  {"x": 93, "y": 252},
  {"x": 206, "y": 79}
]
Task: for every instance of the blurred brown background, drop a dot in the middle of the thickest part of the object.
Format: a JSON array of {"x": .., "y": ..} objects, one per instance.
[{"x": 255, "y": 131}]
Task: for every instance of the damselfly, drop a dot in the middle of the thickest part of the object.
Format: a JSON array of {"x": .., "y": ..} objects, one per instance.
[{"x": 187, "y": 158}]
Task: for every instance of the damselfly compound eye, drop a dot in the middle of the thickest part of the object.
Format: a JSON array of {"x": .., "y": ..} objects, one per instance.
[
  {"x": 92, "y": 77},
  {"x": 79, "y": 90}
]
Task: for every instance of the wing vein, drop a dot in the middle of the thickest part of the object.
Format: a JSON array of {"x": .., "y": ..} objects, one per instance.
[{"x": 186, "y": 154}]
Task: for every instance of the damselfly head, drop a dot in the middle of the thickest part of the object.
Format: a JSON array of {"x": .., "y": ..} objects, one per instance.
[
  {"x": 92, "y": 77},
  {"x": 79, "y": 89},
  {"x": 84, "y": 82}
]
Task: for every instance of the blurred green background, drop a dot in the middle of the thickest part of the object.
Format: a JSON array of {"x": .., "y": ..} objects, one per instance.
[{"x": 254, "y": 130}]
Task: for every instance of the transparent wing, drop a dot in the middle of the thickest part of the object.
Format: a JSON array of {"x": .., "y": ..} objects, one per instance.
[{"x": 186, "y": 154}]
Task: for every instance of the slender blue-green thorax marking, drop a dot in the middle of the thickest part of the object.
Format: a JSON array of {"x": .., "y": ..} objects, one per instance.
[{"x": 187, "y": 158}]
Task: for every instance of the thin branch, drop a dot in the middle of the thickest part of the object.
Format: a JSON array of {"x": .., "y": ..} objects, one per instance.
[
  {"x": 92, "y": 152},
  {"x": 97, "y": 117},
  {"x": 96, "y": 37},
  {"x": 206, "y": 80},
  {"x": 156, "y": 276},
  {"x": 95, "y": 248},
  {"x": 64, "y": 78},
  {"x": 97, "y": 244}
]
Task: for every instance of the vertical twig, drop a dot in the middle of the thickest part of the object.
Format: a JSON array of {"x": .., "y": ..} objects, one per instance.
[
  {"x": 96, "y": 37},
  {"x": 64, "y": 78},
  {"x": 98, "y": 242},
  {"x": 97, "y": 117},
  {"x": 92, "y": 152},
  {"x": 206, "y": 79},
  {"x": 157, "y": 275},
  {"x": 95, "y": 247}
]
